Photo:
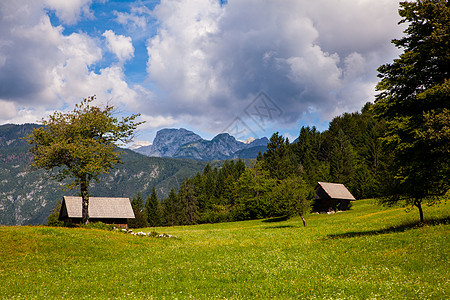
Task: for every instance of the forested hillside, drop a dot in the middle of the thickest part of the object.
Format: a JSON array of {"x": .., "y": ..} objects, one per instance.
[
  {"x": 281, "y": 181},
  {"x": 27, "y": 196}
]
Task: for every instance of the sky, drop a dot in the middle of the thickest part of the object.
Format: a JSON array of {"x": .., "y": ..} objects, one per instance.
[{"x": 246, "y": 67}]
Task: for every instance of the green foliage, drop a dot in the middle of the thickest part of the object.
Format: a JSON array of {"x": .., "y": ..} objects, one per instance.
[
  {"x": 172, "y": 209},
  {"x": 312, "y": 155},
  {"x": 279, "y": 158},
  {"x": 216, "y": 214},
  {"x": 81, "y": 144},
  {"x": 140, "y": 216},
  {"x": 252, "y": 194},
  {"x": 98, "y": 225},
  {"x": 188, "y": 204},
  {"x": 53, "y": 218},
  {"x": 291, "y": 196},
  {"x": 154, "y": 210},
  {"x": 342, "y": 159},
  {"x": 414, "y": 99}
]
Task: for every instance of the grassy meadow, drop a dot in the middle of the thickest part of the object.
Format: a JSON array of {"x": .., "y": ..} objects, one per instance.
[{"x": 369, "y": 252}]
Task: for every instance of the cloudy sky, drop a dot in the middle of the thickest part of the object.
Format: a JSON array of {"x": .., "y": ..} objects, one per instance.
[{"x": 248, "y": 67}]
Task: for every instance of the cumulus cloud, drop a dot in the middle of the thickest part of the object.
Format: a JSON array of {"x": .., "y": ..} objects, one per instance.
[
  {"x": 137, "y": 18},
  {"x": 207, "y": 61},
  {"x": 156, "y": 122},
  {"x": 41, "y": 69},
  {"x": 69, "y": 11},
  {"x": 308, "y": 56},
  {"x": 120, "y": 45}
]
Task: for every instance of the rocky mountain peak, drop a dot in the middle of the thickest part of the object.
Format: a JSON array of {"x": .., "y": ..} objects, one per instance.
[
  {"x": 168, "y": 141},
  {"x": 182, "y": 143}
]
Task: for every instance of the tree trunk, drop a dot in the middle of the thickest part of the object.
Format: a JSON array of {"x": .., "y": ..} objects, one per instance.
[
  {"x": 301, "y": 216},
  {"x": 418, "y": 204},
  {"x": 303, "y": 219},
  {"x": 84, "y": 186}
]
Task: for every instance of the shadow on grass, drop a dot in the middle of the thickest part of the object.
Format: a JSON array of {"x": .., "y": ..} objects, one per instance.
[
  {"x": 392, "y": 229},
  {"x": 278, "y": 219},
  {"x": 280, "y": 226}
]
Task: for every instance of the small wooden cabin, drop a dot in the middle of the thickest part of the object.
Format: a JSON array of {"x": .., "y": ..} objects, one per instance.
[
  {"x": 115, "y": 211},
  {"x": 332, "y": 196}
]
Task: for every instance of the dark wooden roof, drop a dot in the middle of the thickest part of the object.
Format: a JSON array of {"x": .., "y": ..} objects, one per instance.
[
  {"x": 335, "y": 190},
  {"x": 99, "y": 207}
]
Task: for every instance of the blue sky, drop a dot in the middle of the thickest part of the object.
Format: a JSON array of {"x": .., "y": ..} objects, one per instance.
[{"x": 248, "y": 67}]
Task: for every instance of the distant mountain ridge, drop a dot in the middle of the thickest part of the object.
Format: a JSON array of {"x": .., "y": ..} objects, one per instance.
[
  {"x": 182, "y": 143},
  {"x": 27, "y": 195}
]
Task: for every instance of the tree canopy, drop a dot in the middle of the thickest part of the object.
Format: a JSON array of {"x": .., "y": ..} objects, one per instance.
[
  {"x": 81, "y": 144},
  {"x": 414, "y": 99}
]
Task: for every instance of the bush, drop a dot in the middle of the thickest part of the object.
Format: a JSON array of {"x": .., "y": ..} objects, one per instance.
[
  {"x": 218, "y": 214},
  {"x": 98, "y": 225},
  {"x": 53, "y": 218},
  {"x": 53, "y": 221}
]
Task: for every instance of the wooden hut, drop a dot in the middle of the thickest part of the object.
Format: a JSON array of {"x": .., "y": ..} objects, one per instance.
[
  {"x": 332, "y": 196},
  {"x": 115, "y": 211}
]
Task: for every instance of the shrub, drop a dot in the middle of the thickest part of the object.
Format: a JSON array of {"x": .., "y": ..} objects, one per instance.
[{"x": 98, "y": 225}]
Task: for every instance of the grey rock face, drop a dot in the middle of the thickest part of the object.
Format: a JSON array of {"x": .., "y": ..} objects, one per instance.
[
  {"x": 168, "y": 141},
  {"x": 182, "y": 143}
]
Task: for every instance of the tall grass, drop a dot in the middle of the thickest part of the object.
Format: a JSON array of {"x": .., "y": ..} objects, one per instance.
[{"x": 366, "y": 253}]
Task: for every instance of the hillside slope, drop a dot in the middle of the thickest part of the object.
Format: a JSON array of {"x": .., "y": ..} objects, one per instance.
[{"x": 27, "y": 196}]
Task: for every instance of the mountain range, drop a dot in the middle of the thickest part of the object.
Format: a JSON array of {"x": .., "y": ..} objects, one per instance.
[
  {"x": 27, "y": 195},
  {"x": 182, "y": 143}
]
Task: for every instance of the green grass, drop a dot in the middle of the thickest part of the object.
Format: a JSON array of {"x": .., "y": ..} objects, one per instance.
[{"x": 366, "y": 253}]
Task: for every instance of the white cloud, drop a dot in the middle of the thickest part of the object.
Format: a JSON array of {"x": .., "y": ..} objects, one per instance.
[
  {"x": 69, "y": 11},
  {"x": 206, "y": 61},
  {"x": 156, "y": 122},
  {"x": 8, "y": 110},
  {"x": 42, "y": 69},
  {"x": 137, "y": 18},
  {"x": 120, "y": 45},
  {"x": 308, "y": 56}
]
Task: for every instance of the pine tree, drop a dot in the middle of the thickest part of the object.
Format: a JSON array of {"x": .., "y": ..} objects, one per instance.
[
  {"x": 154, "y": 210},
  {"x": 188, "y": 202},
  {"x": 414, "y": 101},
  {"x": 140, "y": 220},
  {"x": 172, "y": 209},
  {"x": 342, "y": 159},
  {"x": 279, "y": 159}
]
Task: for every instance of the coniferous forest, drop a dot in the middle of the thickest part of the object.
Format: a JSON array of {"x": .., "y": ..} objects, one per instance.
[{"x": 281, "y": 181}]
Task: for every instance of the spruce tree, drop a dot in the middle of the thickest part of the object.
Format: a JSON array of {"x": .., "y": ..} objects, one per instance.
[
  {"x": 153, "y": 208},
  {"x": 188, "y": 204},
  {"x": 414, "y": 100}
]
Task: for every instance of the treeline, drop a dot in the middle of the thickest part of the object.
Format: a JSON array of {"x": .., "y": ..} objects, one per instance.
[
  {"x": 349, "y": 152},
  {"x": 232, "y": 193},
  {"x": 281, "y": 181}
]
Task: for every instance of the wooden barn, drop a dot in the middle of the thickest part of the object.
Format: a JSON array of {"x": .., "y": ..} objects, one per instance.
[
  {"x": 115, "y": 211},
  {"x": 332, "y": 196}
]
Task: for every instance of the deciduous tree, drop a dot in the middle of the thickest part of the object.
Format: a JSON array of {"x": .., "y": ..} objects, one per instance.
[
  {"x": 81, "y": 145},
  {"x": 292, "y": 196}
]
